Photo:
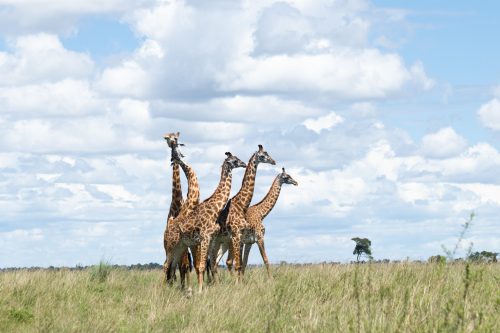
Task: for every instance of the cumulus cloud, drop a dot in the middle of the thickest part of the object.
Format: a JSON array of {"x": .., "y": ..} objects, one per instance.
[
  {"x": 321, "y": 123},
  {"x": 67, "y": 97},
  {"x": 251, "y": 48},
  {"x": 41, "y": 58},
  {"x": 351, "y": 74},
  {"x": 489, "y": 114},
  {"x": 26, "y": 16},
  {"x": 443, "y": 143}
]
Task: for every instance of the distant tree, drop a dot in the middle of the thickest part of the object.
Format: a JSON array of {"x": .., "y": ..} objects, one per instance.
[
  {"x": 362, "y": 247},
  {"x": 483, "y": 256},
  {"x": 437, "y": 259}
]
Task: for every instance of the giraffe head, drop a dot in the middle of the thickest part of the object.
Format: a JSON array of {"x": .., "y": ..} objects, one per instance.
[
  {"x": 172, "y": 139},
  {"x": 286, "y": 178},
  {"x": 261, "y": 156},
  {"x": 232, "y": 162},
  {"x": 173, "y": 142}
]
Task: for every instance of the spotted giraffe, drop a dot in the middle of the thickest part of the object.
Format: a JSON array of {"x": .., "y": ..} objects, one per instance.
[
  {"x": 232, "y": 219},
  {"x": 196, "y": 229},
  {"x": 257, "y": 213},
  {"x": 178, "y": 206}
]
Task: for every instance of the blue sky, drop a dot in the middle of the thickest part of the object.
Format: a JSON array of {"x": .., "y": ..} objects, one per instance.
[{"x": 386, "y": 112}]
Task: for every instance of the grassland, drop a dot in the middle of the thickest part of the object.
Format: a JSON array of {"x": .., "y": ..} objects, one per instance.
[{"x": 404, "y": 297}]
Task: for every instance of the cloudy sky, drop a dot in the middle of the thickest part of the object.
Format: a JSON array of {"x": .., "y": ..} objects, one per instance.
[{"x": 387, "y": 116}]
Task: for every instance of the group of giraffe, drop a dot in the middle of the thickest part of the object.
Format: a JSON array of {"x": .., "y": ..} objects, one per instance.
[{"x": 218, "y": 224}]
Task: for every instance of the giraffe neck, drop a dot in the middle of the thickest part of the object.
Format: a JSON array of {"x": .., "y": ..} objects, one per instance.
[
  {"x": 193, "y": 195},
  {"x": 267, "y": 204},
  {"x": 221, "y": 194},
  {"x": 243, "y": 198},
  {"x": 176, "y": 202}
]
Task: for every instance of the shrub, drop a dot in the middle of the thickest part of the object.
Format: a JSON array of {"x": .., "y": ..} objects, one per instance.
[{"x": 100, "y": 272}]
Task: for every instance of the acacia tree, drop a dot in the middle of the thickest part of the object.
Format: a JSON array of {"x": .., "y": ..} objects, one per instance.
[{"x": 362, "y": 247}]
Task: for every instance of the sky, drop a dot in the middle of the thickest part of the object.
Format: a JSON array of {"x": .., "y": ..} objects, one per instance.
[{"x": 387, "y": 113}]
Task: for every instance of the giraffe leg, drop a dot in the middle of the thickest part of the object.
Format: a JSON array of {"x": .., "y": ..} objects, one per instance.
[
  {"x": 167, "y": 267},
  {"x": 197, "y": 254},
  {"x": 165, "y": 270},
  {"x": 184, "y": 266},
  {"x": 262, "y": 249},
  {"x": 229, "y": 260},
  {"x": 213, "y": 261},
  {"x": 236, "y": 247},
  {"x": 167, "y": 264},
  {"x": 174, "y": 257},
  {"x": 247, "y": 248},
  {"x": 189, "y": 289},
  {"x": 166, "y": 259},
  {"x": 203, "y": 254}
]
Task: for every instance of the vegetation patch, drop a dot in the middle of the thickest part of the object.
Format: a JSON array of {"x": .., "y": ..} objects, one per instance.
[
  {"x": 20, "y": 315},
  {"x": 364, "y": 297}
]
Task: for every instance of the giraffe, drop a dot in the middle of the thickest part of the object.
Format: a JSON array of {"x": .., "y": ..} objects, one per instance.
[
  {"x": 178, "y": 206},
  {"x": 196, "y": 229},
  {"x": 177, "y": 200},
  {"x": 257, "y": 213},
  {"x": 232, "y": 220}
]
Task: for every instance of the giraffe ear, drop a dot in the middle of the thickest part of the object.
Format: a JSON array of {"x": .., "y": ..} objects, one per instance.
[
  {"x": 228, "y": 154},
  {"x": 261, "y": 148}
]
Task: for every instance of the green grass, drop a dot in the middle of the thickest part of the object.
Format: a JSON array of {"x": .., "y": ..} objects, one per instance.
[{"x": 405, "y": 297}]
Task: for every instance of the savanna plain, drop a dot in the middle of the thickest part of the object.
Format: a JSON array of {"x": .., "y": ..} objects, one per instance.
[{"x": 369, "y": 297}]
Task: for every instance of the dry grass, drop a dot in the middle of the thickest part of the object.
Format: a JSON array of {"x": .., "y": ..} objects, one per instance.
[{"x": 406, "y": 297}]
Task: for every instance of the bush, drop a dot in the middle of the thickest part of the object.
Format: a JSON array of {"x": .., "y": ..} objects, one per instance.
[
  {"x": 483, "y": 256},
  {"x": 437, "y": 259},
  {"x": 100, "y": 272}
]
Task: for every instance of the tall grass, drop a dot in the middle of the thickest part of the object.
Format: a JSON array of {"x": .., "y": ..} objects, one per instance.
[
  {"x": 100, "y": 272},
  {"x": 404, "y": 297}
]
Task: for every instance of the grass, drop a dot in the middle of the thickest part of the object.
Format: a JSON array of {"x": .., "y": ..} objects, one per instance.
[{"x": 395, "y": 297}]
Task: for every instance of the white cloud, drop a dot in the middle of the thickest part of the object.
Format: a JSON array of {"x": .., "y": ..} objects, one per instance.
[
  {"x": 321, "y": 123},
  {"x": 63, "y": 98},
  {"x": 489, "y": 114},
  {"x": 443, "y": 143},
  {"x": 251, "y": 48},
  {"x": 133, "y": 113},
  {"x": 117, "y": 192},
  {"x": 23, "y": 235},
  {"x": 420, "y": 77},
  {"x": 41, "y": 58},
  {"x": 487, "y": 193},
  {"x": 21, "y": 16},
  {"x": 411, "y": 192},
  {"x": 350, "y": 74},
  {"x": 96, "y": 134},
  {"x": 262, "y": 110},
  {"x": 126, "y": 79}
]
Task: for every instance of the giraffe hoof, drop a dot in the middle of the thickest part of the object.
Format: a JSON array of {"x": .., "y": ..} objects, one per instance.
[{"x": 189, "y": 293}]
